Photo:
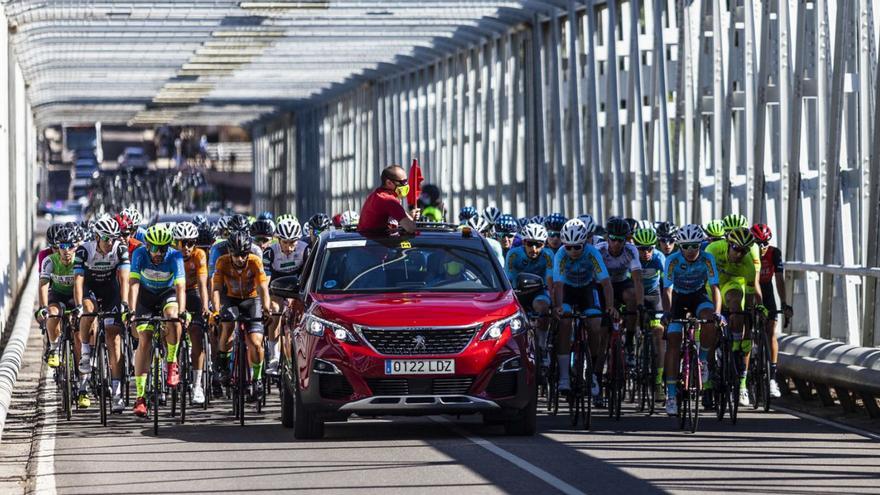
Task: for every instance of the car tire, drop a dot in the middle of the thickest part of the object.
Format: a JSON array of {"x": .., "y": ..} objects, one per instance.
[
  {"x": 526, "y": 422},
  {"x": 307, "y": 425},
  {"x": 286, "y": 404}
]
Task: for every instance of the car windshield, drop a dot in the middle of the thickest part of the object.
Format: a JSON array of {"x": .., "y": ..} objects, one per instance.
[{"x": 371, "y": 266}]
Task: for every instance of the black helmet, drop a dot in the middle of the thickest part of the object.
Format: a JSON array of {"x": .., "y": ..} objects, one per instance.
[
  {"x": 199, "y": 220},
  {"x": 633, "y": 224},
  {"x": 266, "y": 215},
  {"x": 618, "y": 227},
  {"x": 319, "y": 222},
  {"x": 207, "y": 234},
  {"x": 263, "y": 228},
  {"x": 667, "y": 230},
  {"x": 239, "y": 242},
  {"x": 52, "y": 233},
  {"x": 238, "y": 223},
  {"x": 66, "y": 235}
]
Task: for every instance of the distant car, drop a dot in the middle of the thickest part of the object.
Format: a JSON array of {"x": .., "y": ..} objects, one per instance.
[
  {"x": 70, "y": 211},
  {"x": 133, "y": 158},
  {"x": 85, "y": 168}
]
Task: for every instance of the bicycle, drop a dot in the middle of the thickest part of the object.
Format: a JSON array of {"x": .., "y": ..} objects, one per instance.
[
  {"x": 616, "y": 376},
  {"x": 548, "y": 378},
  {"x": 66, "y": 372},
  {"x": 184, "y": 369},
  {"x": 645, "y": 372},
  {"x": 729, "y": 370},
  {"x": 758, "y": 381},
  {"x": 100, "y": 377},
  {"x": 580, "y": 405},
  {"x": 239, "y": 363},
  {"x": 690, "y": 382},
  {"x": 156, "y": 376}
]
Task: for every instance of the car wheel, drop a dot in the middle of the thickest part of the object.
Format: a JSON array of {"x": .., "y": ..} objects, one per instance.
[
  {"x": 286, "y": 404},
  {"x": 307, "y": 425},
  {"x": 526, "y": 422}
]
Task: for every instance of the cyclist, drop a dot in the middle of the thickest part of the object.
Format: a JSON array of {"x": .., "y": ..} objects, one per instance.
[
  {"x": 575, "y": 270},
  {"x": 465, "y": 214},
  {"x": 237, "y": 223},
  {"x": 666, "y": 235},
  {"x": 653, "y": 264},
  {"x": 159, "y": 271},
  {"x": 126, "y": 229},
  {"x": 100, "y": 283},
  {"x": 688, "y": 271},
  {"x": 533, "y": 257},
  {"x": 350, "y": 218},
  {"x": 738, "y": 269},
  {"x": 195, "y": 265},
  {"x": 491, "y": 214},
  {"x": 592, "y": 229},
  {"x": 263, "y": 233},
  {"x": 505, "y": 232},
  {"x": 56, "y": 289},
  {"x": 51, "y": 241},
  {"x": 240, "y": 277},
  {"x": 285, "y": 257},
  {"x": 554, "y": 224},
  {"x": 772, "y": 268},
  {"x": 480, "y": 225},
  {"x": 714, "y": 232},
  {"x": 207, "y": 236},
  {"x": 622, "y": 261},
  {"x": 137, "y": 231}
]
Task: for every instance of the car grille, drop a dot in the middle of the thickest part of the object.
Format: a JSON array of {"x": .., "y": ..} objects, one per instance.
[
  {"x": 335, "y": 387},
  {"x": 417, "y": 341},
  {"x": 420, "y": 386},
  {"x": 502, "y": 385}
]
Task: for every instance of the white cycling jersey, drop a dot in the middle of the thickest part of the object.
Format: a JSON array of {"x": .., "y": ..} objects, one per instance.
[
  {"x": 278, "y": 264},
  {"x": 620, "y": 266}
]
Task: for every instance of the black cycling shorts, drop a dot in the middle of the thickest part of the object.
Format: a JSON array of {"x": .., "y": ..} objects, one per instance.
[
  {"x": 584, "y": 299},
  {"x": 194, "y": 307},
  {"x": 619, "y": 287},
  {"x": 684, "y": 304},
  {"x": 653, "y": 305},
  {"x": 60, "y": 299},
  {"x": 769, "y": 300},
  {"x": 106, "y": 298},
  {"x": 154, "y": 303},
  {"x": 249, "y": 308}
]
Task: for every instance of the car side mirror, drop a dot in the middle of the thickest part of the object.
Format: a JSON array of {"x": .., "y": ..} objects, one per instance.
[
  {"x": 528, "y": 284},
  {"x": 285, "y": 287}
]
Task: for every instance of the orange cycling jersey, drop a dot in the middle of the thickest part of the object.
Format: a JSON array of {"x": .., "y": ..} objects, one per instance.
[
  {"x": 240, "y": 283},
  {"x": 195, "y": 265}
]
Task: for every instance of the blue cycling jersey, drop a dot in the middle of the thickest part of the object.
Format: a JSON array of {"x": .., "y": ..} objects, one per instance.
[
  {"x": 153, "y": 277},
  {"x": 519, "y": 262},
  {"x": 652, "y": 272},
  {"x": 686, "y": 277},
  {"x": 579, "y": 272}
]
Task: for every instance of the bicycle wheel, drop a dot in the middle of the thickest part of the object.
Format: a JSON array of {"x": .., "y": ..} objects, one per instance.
[
  {"x": 648, "y": 376},
  {"x": 156, "y": 382},
  {"x": 732, "y": 379},
  {"x": 127, "y": 369},
  {"x": 553, "y": 384},
  {"x": 102, "y": 381},
  {"x": 683, "y": 398},
  {"x": 765, "y": 377},
  {"x": 587, "y": 396},
  {"x": 574, "y": 374},
  {"x": 241, "y": 377},
  {"x": 616, "y": 370},
  {"x": 694, "y": 391},
  {"x": 67, "y": 377},
  {"x": 183, "y": 386},
  {"x": 719, "y": 387},
  {"x": 208, "y": 371}
]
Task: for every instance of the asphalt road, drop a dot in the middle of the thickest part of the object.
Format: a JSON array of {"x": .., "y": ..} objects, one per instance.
[{"x": 772, "y": 453}]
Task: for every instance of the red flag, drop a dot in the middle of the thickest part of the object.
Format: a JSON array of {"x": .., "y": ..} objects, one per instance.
[{"x": 415, "y": 183}]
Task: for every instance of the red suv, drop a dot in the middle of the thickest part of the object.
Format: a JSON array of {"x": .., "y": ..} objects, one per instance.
[{"x": 405, "y": 325}]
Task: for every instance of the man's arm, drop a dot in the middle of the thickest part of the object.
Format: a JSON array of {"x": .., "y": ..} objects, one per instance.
[
  {"x": 78, "y": 282},
  {"x": 263, "y": 290},
  {"x": 639, "y": 286},
  {"x": 608, "y": 292},
  {"x": 122, "y": 276},
  {"x": 44, "y": 292},
  {"x": 716, "y": 298},
  {"x": 134, "y": 286},
  {"x": 180, "y": 288},
  {"x": 667, "y": 299}
]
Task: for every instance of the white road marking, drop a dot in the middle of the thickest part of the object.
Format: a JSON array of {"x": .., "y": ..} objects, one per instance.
[
  {"x": 45, "y": 483},
  {"x": 827, "y": 422},
  {"x": 517, "y": 461}
]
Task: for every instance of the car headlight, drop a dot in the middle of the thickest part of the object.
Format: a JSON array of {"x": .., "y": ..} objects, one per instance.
[
  {"x": 517, "y": 324},
  {"x": 317, "y": 326}
]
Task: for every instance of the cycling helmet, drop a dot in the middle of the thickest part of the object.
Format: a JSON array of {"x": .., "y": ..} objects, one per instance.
[
  {"x": 633, "y": 224},
  {"x": 238, "y": 223},
  {"x": 618, "y": 227},
  {"x": 645, "y": 237},
  {"x": 266, "y": 215},
  {"x": 466, "y": 213},
  {"x": 715, "y": 228},
  {"x": 223, "y": 225},
  {"x": 199, "y": 220},
  {"x": 207, "y": 234},
  {"x": 52, "y": 233},
  {"x": 644, "y": 224},
  {"x": 134, "y": 215},
  {"x": 285, "y": 216},
  {"x": 79, "y": 233},
  {"x": 538, "y": 219},
  {"x": 159, "y": 235},
  {"x": 574, "y": 232},
  {"x": 667, "y": 231},
  {"x": 690, "y": 234},
  {"x": 263, "y": 228},
  {"x": 534, "y": 232},
  {"x": 491, "y": 214},
  {"x": 350, "y": 217},
  {"x": 734, "y": 221},
  {"x": 479, "y": 224},
  {"x": 762, "y": 233},
  {"x": 555, "y": 222},
  {"x": 239, "y": 242},
  {"x": 589, "y": 223},
  {"x": 289, "y": 229},
  {"x": 741, "y": 237},
  {"x": 107, "y": 227},
  {"x": 506, "y": 224},
  {"x": 319, "y": 222},
  {"x": 523, "y": 221},
  {"x": 65, "y": 235},
  {"x": 185, "y": 230},
  {"x": 307, "y": 229}
]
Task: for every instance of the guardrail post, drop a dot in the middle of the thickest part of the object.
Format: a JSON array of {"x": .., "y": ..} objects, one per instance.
[
  {"x": 846, "y": 399},
  {"x": 805, "y": 391},
  {"x": 870, "y": 404},
  {"x": 825, "y": 394}
]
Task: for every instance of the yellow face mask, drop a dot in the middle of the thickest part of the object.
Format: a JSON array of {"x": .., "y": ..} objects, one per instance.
[{"x": 402, "y": 191}]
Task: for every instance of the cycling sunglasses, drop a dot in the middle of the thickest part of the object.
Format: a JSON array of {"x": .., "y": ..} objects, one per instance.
[
  {"x": 188, "y": 243},
  {"x": 645, "y": 248},
  {"x": 534, "y": 244},
  {"x": 262, "y": 240},
  {"x": 739, "y": 249},
  {"x": 688, "y": 247},
  {"x": 241, "y": 255},
  {"x": 553, "y": 233},
  {"x": 616, "y": 238},
  {"x": 573, "y": 247},
  {"x": 667, "y": 240},
  {"x": 507, "y": 236},
  {"x": 157, "y": 249},
  {"x": 106, "y": 238},
  {"x": 65, "y": 246}
]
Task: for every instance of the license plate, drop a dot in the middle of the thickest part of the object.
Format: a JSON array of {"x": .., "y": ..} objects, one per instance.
[{"x": 419, "y": 366}]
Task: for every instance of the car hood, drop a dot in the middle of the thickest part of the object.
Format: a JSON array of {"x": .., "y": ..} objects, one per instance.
[{"x": 415, "y": 309}]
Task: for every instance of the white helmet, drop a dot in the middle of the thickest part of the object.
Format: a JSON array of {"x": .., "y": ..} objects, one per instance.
[
  {"x": 644, "y": 224},
  {"x": 350, "y": 217},
  {"x": 589, "y": 223},
  {"x": 106, "y": 226},
  {"x": 574, "y": 232},
  {"x": 289, "y": 229},
  {"x": 306, "y": 229},
  {"x": 478, "y": 223},
  {"x": 491, "y": 214},
  {"x": 690, "y": 234},
  {"x": 134, "y": 215},
  {"x": 185, "y": 230},
  {"x": 534, "y": 232}
]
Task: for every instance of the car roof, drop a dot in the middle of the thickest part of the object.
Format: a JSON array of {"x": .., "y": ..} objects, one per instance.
[
  {"x": 182, "y": 217},
  {"x": 444, "y": 233}
]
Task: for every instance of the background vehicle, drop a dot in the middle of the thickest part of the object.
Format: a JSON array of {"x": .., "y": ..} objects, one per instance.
[
  {"x": 404, "y": 325},
  {"x": 133, "y": 158},
  {"x": 81, "y": 140}
]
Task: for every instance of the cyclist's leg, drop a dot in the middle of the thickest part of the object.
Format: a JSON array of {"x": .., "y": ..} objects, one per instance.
[
  {"x": 677, "y": 310},
  {"x": 541, "y": 305},
  {"x": 625, "y": 294},
  {"x": 228, "y": 314},
  {"x": 197, "y": 351},
  {"x": 146, "y": 307},
  {"x": 652, "y": 302},
  {"x": 770, "y": 329},
  {"x": 563, "y": 339},
  {"x": 86, "y": 328},
  {"x": 251, "y": 308},
  {"x": 272, "y": 330}
]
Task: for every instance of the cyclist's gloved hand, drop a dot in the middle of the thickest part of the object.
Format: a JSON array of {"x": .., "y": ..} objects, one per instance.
[
  {"x": 763, "y": 310},
  {"x": 41, "y": 313},
  {"x": 123, "y": 311},
  {"x": 720, "y": 319},
  {"x": 665, "y": 318},
  {"x": 787, "y": 309},
  {"x": 77, "y": 311},
  {"x": 185, "y": 317}
]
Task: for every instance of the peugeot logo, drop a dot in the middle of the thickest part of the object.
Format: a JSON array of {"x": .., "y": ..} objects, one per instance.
[{"x": 419, "y": 344}]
